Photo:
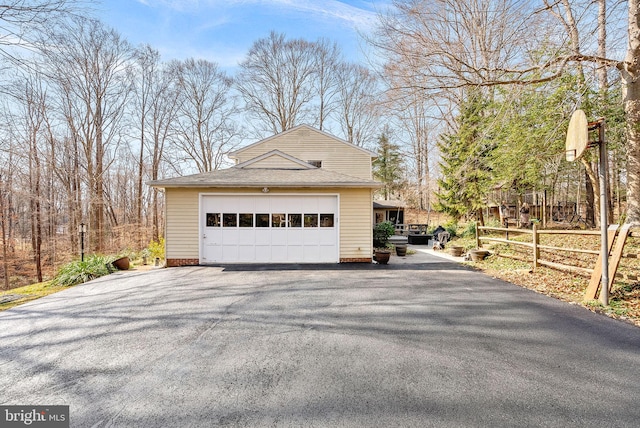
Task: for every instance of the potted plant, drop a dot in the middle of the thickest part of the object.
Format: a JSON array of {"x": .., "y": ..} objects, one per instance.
[
  {"x": 381, "y": 234},
  {"x": 382, "y": 255},
  {"x": 401, "y": 250},
  {"x": 478, "y": 254}
]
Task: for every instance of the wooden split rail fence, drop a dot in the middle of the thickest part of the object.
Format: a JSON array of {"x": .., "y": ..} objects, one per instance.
[{"x": 615, "y": 235}]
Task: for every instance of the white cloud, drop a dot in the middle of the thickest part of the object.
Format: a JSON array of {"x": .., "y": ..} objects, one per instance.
[
  {"x": 223, "y": 30},
  {"x": 330, "y": 9},
  {"x": 358, "y": 17}
]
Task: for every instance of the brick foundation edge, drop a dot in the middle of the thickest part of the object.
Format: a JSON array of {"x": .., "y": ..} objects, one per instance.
[
  {"x": 182, "y": 262},
  {"x": 196, "y": 262},
  {"x": 357, "y": 260}
]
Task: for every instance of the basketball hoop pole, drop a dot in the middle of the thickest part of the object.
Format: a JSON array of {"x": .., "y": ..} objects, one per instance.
[
  {"x": 604, "y": 222},
  {"x": 576, "y": 143}
]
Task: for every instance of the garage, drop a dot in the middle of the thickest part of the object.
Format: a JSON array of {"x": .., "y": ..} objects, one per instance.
[
  {"x": 287, "y": 228},
  {"x": 301, "y": 196}
]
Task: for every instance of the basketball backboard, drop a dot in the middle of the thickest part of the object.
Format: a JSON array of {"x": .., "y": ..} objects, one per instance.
[{"x": 577, "y": 136}]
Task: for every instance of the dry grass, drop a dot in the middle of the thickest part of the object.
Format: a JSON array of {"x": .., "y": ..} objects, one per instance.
[{"x": 20, "y": 295}]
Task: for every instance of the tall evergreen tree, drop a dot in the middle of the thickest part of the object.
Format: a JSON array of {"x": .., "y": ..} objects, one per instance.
[
  {"x": 466, "y": 175},
  {"x": 387, "y": 167},
  {"x": 529, "y": 133}
]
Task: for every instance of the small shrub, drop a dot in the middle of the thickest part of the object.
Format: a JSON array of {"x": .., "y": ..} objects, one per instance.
[
  {"x": 156, "y": 249},
  {"x": 493, "y": 222},
  {"x": 78, "y": 271},
  {"x": 382, "y": 232},
  {"x": 469, "y": 230}
]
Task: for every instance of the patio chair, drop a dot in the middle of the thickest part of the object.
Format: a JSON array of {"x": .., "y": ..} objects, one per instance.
[{"x": 441, "y": 240}]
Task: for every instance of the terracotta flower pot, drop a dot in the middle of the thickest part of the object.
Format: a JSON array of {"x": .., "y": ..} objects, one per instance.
[
  {"x": 382, "y": 256},
  {"x": 122, "y": 263},
  {"x": 401, "y": 250},
  {"x": 478, "y": 254},
  {"x": 456, "y": 251}
]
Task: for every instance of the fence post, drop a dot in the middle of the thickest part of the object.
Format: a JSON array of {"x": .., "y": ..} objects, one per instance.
[
  {"x": 536, "y": 242},
  {"x": 477, "y": 234}
]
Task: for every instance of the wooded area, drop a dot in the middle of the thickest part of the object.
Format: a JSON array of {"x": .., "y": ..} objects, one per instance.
[{"x": 465, "y": 102}]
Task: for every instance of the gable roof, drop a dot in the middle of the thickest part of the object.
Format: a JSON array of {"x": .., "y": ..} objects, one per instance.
[
  {"x": 295, "y": 162},
  {"x": 267, "y": 177},
  {"x": 388, "y": 204},
  {"x": 233, "y": 155}
]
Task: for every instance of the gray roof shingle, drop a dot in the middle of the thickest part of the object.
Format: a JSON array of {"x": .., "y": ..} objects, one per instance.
[{"x": 263, "y": 177}]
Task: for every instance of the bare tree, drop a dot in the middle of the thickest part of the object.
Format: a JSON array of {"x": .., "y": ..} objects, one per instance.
[
  {"x": 3, "y": 231},
  {"x": 146, "y": 75},
  {"x": 204, "y": 129},
  {"x": 29, "y": 93},
  {"x": 563, "y": 11},
  {"x": 603, "y": 83},
  {"x": 444, "y": 44},
  {"x": 6, "y": 177},
  {"x": 357, "y": 103},
  {"x": 328, "y": 84},
  {"x": 630, "y": 72},
  {"x": 156, "y": 103},
  {"x": 277, "y": 81},
  {"x": 416, "y": 123},
  {"x": 21, "y": 21},
  {"x": 91, "y": 65}
]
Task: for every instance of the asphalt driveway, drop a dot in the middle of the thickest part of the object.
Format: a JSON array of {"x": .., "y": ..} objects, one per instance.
[{"x": 427, "y": 344}]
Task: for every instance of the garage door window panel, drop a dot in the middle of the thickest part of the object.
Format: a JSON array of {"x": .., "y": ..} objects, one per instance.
[
  {"x": 213, "y": 219},
  {"x": 278, "y": 220},
  {"x": 311, "y": 220},
  {"x": 326, "y": 220},
  {"x": 246, "y": 220},
  {"x": 230, "y": 220},
  {"x": 295, "y": 220},
  {"x": 262, "y": 220}
]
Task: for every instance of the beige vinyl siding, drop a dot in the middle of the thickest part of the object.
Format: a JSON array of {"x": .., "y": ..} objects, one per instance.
[
  {"x": 182, "y": 233},
  {"x": 307, "y": 144},
  {"x": 182, "y": 228},
  {"x": 356, "y": 235},
  {"x": 275, "y": 162}
]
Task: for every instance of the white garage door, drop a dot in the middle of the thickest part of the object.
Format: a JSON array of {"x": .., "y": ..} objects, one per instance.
[{"x": 269, "y": 228}]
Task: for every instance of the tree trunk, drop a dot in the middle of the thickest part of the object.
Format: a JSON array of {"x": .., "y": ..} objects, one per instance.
[
  {"x": 592, "y": 192},
  {"x": 139, "y": 199},
  {"x": 480, "y": 216},
  {"x": 603, "y": 87},
  {"x": 97, "y": 198},
  {"x": 3, "y": 230},
  {"x": 590, "y": 214},
  {"x": 630, "y": 72},
  {"x": 36, "y": 217}
]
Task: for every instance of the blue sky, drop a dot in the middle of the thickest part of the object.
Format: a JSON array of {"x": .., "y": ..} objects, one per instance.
[{"x": 223, "y": 30}]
